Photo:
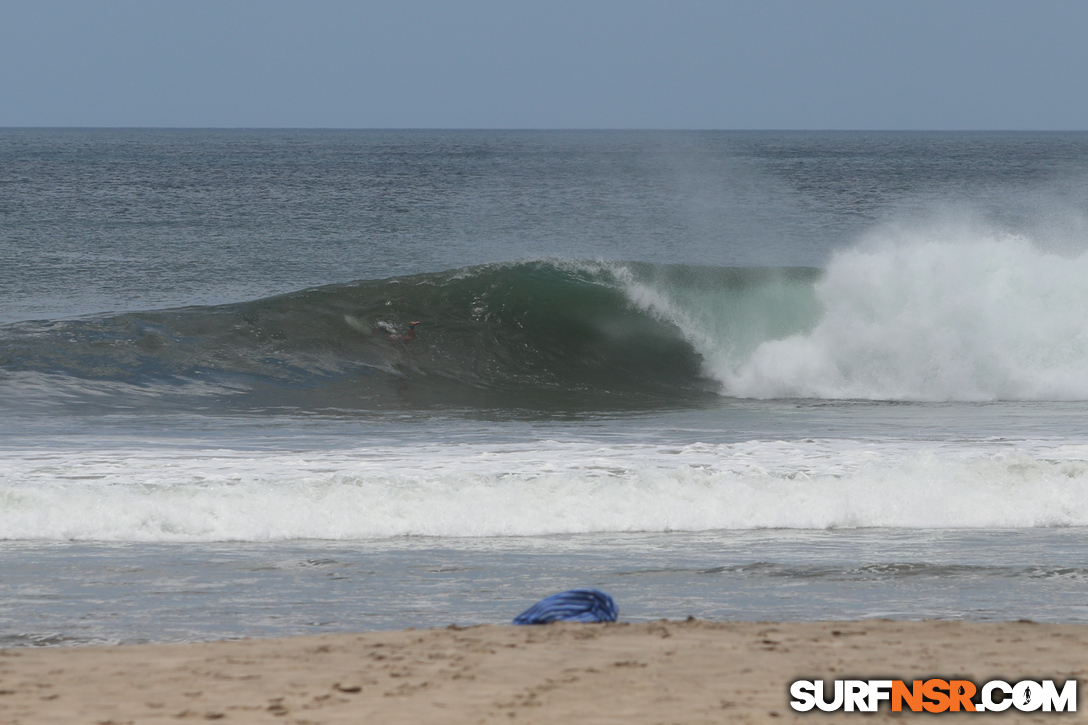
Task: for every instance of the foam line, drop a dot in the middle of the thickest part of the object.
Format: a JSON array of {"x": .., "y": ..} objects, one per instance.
[{"x": 543, "y": 488}]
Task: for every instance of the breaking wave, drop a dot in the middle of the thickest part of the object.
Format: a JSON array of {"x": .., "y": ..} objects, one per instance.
[{"x": 922, "y": 319}]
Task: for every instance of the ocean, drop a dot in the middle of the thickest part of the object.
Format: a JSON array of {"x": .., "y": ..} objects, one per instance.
[{"x": 733, "y": 375}]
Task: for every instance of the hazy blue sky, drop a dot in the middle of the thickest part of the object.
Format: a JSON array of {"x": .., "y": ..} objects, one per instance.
[{"x": 771, "y": 64}]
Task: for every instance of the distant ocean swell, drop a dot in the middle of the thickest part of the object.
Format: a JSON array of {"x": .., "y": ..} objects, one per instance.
[
  {"x": 544, "y": 488},
  {"x": 990, "y": 318}
]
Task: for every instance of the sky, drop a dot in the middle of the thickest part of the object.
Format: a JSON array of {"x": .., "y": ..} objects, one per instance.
[{"x": 554, "y": 64}]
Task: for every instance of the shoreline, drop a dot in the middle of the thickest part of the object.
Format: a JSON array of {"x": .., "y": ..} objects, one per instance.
[{"x": 692, "y": 671}]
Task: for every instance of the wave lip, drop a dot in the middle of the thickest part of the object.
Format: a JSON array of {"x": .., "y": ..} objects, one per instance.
[
  {"x": 927, "y": 317},
  {"x": 534, "y": 333}
]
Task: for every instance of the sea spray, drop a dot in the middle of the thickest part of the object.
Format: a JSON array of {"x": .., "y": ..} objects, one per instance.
[
  {"x": 924, "y": 317},
  {"x": 984, "y": 319}
]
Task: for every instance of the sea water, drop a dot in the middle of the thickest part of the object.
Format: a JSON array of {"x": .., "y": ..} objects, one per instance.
[{"x": 744, "y": 375}]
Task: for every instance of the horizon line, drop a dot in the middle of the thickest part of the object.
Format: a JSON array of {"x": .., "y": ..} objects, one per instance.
[{"x": 528, "y": 129}]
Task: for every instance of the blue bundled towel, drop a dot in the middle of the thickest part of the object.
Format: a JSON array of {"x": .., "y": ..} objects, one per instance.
[{"x": 575, "y": 605}]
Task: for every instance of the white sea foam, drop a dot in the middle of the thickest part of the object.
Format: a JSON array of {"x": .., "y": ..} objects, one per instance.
[
  {"x": 928, "y": 315},
  {"x": 546, "y": 487}
]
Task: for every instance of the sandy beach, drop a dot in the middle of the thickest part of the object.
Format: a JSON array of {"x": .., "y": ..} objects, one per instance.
[{"x": 659, "y": 672}]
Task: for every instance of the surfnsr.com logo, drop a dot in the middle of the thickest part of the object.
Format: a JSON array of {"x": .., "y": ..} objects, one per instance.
[{"x": 934, "y": 695}]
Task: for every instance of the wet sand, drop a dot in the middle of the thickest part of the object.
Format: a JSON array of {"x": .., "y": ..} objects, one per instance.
[{"x": 658, "y": 672}]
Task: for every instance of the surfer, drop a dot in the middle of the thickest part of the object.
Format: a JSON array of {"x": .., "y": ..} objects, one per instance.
[{"x": 406, "y": 338}]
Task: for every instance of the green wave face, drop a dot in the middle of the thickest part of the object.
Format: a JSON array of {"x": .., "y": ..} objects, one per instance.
[{"x": 531, "y": 334}]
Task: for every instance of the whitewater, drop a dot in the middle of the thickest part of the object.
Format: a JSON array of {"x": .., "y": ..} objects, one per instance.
[
  {"x": 543, "y": 488},
  {"x": 742, "y": 375},
  {"x": 932, "y": 319}
]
